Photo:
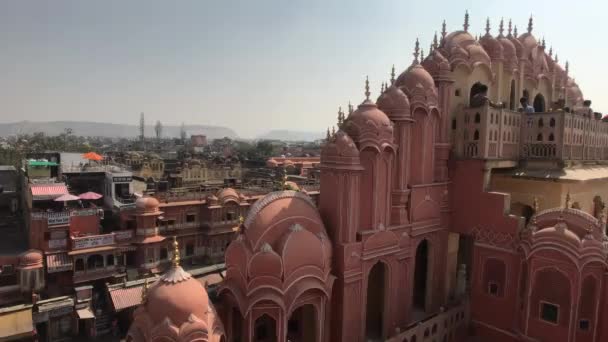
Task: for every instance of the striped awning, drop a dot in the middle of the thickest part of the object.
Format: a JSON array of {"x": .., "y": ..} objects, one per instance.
[
  {"x": 58, "y": 262},
  {"x": 48, "y": 191},
  {"x": 126, "y": 298}
]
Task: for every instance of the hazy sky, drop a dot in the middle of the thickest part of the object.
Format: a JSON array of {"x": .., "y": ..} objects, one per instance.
[{"x": 250, "y": 65}]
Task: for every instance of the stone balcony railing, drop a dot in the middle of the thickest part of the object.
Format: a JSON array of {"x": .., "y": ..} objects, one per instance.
[
  {"x": 63, "y": 217},
  {"x": 443, "y": 326},
  {"x": 502, "y": 134}
]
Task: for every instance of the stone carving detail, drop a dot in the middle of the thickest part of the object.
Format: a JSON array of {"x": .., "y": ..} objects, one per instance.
[{"x": 493, "y": 238}]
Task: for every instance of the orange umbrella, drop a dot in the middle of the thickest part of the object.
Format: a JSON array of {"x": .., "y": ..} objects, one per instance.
[{"x": 92, "y": 156}]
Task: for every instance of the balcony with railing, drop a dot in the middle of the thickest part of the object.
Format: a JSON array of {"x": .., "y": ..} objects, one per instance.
[
  {"x": 443, "y": 326},
  {"x": 500, "y": 134},
  {"x": 56, "y": 218}
]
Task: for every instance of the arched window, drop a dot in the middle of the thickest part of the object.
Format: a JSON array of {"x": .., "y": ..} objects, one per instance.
[
  {"x": 552, "y": 122},
  {"x": 491, "y": 118},
  {"x": 477, "y": 118},
  {"x": 476, "y": 135},
  {"x": 540, "y": 122},
  {"x": 551, "y": 137},
  {"x": 494, "y": 275},
  {"x": 79, "y": 266},
  {"x": 539, "y": 137}
]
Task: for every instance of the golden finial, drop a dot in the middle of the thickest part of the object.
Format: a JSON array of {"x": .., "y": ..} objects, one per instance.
[
  {"x": 238, "y": 228},
  {"x": 367, "y": 88},
  {"x": 176, "y": 257},
  {"x": 568, "y": 199},
  {"x": 393, "y": 74},
  {"x": 144, "y": 291},
  {"x": 284, "y": 185},
  {"x": 466, "y": 21},
  {"x": 536, "y": 206},
  {"x": 530, "y": 24}
]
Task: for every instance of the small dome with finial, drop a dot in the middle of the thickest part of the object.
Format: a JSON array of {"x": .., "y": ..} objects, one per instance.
[
  {"x": 415, "y": 76},
  {"x": 368, "y": 120},
  {"x": 492, "y": 46}
]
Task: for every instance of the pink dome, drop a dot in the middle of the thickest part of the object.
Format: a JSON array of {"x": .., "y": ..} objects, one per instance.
[
  {"x": 528, "y": 42},
  {"x": 458, "y": 38},
  {"x": 519, "y": 48},
  {"x": 147, "y": 204},
  {"x": 226, "y": 195},
  {"x": 436, "y": 64},
  {"x": 177, "y": 301},
  {"x": 272, "y": 215},
  {"x": 492, "y": 46},
  {"x": 30, "y": 259},
  {"x": 478, "y": 54},
  {"x": 340, "y": 149},
  {"x": 415, "y": 76},
  {"x": 508, "y": 49},
  {"x": 394, "y": 102}
]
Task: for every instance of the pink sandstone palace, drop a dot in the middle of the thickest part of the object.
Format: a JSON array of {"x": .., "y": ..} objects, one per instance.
[{"x": 449, "y": 210}]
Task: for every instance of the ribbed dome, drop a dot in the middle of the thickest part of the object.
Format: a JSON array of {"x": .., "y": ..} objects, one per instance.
[
  {"x": 458, "y": 38},
  {"x": 415, "y": 76},
  {"x": 528, "y": 41},
  {"x": 478, "y": 54},
  {"x": 147, "y": 204},
  {"x": 394, "y": 102},
  {"x": 492, "y": 46},
  {"x": 30, "y": 259}
]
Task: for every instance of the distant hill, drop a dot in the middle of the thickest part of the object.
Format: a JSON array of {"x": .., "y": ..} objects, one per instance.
[
  {"x": 101, "y": 129},
  {"x": 287, "y": 135}
]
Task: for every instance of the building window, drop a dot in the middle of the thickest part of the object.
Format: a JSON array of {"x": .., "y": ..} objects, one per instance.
[
  {"x": 493, "y": 289},
  {"x": 549, "y": 312},
  {"x": 190, "y": 218},
  {"x": 453, "y": 123},
  {"x": 230, "y": 216},
  {"x": 583, "y": 324},
  {"x": 110, "y": 260},
  {"x": 457, "y": 92},
  {"x": 189, "y": 249},
  {"x": 477, "y": 118},
  {"x": 79, "y": 265}
]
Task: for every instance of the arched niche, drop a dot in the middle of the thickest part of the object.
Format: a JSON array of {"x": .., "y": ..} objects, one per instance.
[
  {"x": 265, "y": 329},
  {"x": 539, "y": 103},
  {"x": 421, "y": 276},
  {"x": 302, "y": 324},
  {"x": 377, "y": 291}
]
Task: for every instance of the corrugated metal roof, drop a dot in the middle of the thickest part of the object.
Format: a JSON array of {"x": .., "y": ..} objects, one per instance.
[
  {"x": 58, "y": 262},
  {"x": 48, "y": 191},
  {"x": 123, "y": 298}
]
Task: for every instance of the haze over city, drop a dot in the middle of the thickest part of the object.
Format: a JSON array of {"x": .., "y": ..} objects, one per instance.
[{"x": 248, "y": 65}]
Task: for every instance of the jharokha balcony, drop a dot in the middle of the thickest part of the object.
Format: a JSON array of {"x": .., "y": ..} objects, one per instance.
[{"x": 502, "y": 134}]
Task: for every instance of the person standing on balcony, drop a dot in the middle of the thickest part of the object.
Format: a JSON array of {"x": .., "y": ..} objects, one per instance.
[
  {"x": 481, "y": 97},
  {"x": 525, "y": 106}
]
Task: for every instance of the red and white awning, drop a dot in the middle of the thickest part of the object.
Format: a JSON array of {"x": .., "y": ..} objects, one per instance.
[
  {"x": 48, "y": 191},
  {"x": 58, "y": 262}
]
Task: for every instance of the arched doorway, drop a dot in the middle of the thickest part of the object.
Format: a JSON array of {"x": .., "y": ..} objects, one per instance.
[
  {"x": 301, "y": 326},
  {"x": 420, "y": 275},
  {"x": 237, "y": 325},
  {"x": 265, "y": 329},
  {"x": 512, "y": 99},
  {"x": 376, "y": 293},
  {"x": 476, "y": 88},
  {"x": 539, "y": 103}
]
